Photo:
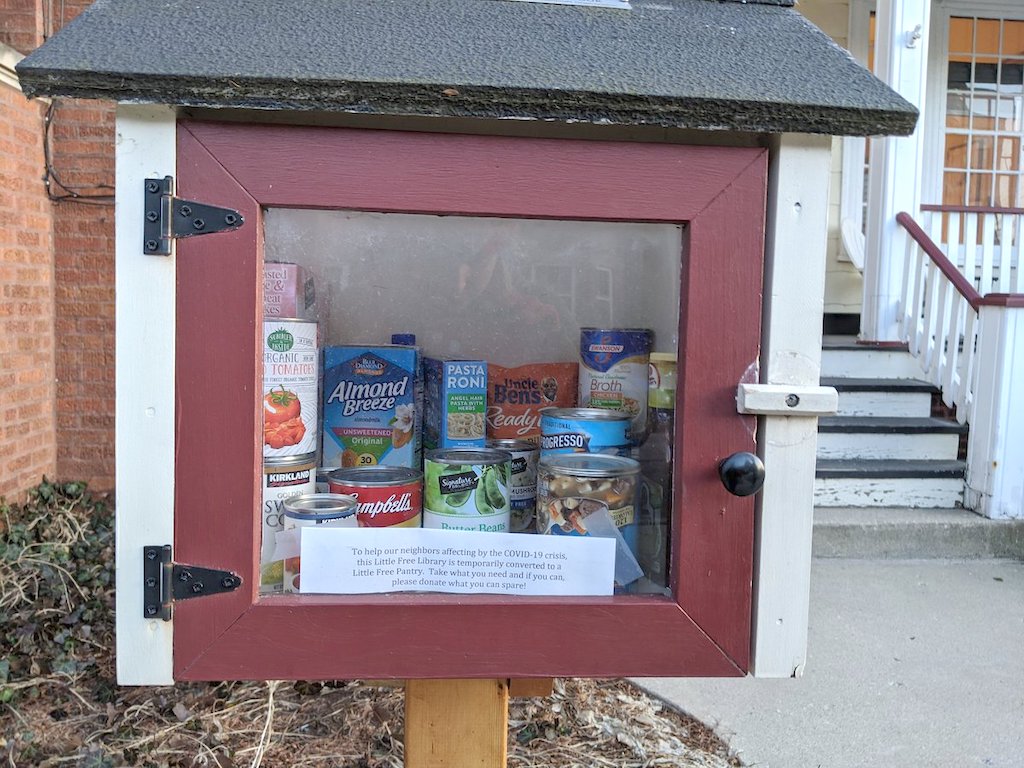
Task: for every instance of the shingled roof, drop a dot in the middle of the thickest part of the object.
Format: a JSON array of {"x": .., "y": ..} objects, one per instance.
[{"x": 700, "y": 64}]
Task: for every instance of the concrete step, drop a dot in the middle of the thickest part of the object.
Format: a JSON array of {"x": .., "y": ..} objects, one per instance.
[
  {"x": 842, "y": 356},
  {"x": 888, "y": 483},
  {"x": 871, "y": 438},
  {"x": 882, "y": 397},
  {"x": 903, "y": 533}
]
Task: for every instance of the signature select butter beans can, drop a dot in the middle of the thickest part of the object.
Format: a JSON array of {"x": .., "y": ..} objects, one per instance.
[
  {"x": 283, "y": 479},
  {"x": 614, "y": 372},
  {"x": 584, "y": 430},
  {"x": 291, "y": 380},
  {"x": 522, "y": 481},
  {"x": 333, "y": 510},
  {"x": 467, "y": 489},
  {"x": 388, "y": 497}
]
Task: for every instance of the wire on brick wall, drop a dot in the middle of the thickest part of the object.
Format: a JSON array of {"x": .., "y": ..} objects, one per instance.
[{"x": 56, "y": 189}]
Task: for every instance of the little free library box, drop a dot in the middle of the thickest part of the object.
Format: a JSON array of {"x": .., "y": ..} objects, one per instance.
[{"x": 466, "y": 180}]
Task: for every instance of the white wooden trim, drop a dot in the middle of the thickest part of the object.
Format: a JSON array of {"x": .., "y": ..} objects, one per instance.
[
  {"x": 894, "y": 178},
  {"x": 795, "y": 247},
  {"x": 851, "y": 205},
  {"x": 145, "y": 393},
  {"x": 8, "y": 60},
  {"x": 995, "y": 453},
  {"x": 786, "y": 400}
]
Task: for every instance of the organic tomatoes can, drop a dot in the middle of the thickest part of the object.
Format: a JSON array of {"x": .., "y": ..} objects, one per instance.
[
  {"x": 467, "y": 489},
  {"x": 333, "y": 510},
  {"x": 387, "y": 496},
  {"x": 283, "y": 479},
  {"x": 522, "y": 481},
  {"x": 291, "y": 376}
]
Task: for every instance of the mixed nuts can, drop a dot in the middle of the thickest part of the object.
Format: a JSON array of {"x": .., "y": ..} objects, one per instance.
[
  {"x": 291, "y": 382},
  {"x": 614, "y": 372},
  {"x": 584, "y": 430},
  {"x": 328, "y": 509},
  {"x": 283, "y": 479},
  {"x": 387, "y": 496},
  {"x": 467, "y": 489},
  {"x": 571, "y": 488},
  {"x": 522, "y": 481}
]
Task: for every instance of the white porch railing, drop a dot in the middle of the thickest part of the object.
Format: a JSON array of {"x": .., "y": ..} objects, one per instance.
[{"x": 971, "y": 345}]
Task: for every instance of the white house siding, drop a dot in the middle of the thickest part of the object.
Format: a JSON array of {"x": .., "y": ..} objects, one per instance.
[{"x": 843, "y": 283}]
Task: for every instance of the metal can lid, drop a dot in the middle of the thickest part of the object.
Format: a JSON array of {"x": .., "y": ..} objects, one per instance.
[
  {"x": 270, "y": 319},
  {"x": 277, "y": 463},
  {"x": 454, "y": 456},
  {"x": 380, "y": 475},
  {"x": 590, "y": 464},
  {"x": 585, "y": 414},
  {"x": 320, "y": 506},
  {"x": 663, "y": 357},
  {"x": 597, "y": 329},
  {"x": 511, "y": 444}
]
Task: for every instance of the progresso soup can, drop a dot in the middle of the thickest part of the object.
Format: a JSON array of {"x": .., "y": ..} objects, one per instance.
[
  {"x": 584, "y": 430},
  {"x": 328, "y": 509},
  {"x": 467, "y": 489},
  {"x": 614, "y": 372},
  {"x": 522, "y": 481},
  {"x": 387, "y": 496},
  {"x": 291, "y": 380}
]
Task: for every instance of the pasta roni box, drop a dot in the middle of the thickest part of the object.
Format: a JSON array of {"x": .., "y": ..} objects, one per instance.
[
  {"x": 455, "y": 394},
  {"x": 369, "y": 414}
]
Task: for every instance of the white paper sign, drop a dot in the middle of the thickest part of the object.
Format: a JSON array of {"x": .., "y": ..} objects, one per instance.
[{"x": 348, "y": 561}]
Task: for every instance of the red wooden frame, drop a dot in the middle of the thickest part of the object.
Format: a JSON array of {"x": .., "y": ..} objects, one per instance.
[{"x": 718, "y": 191}]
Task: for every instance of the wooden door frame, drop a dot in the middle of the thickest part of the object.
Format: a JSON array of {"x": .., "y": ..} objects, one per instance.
[{"x": 718, "y": 192}]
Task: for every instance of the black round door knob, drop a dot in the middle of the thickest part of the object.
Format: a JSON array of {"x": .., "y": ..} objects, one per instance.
[{"x": 742, "y": 473}]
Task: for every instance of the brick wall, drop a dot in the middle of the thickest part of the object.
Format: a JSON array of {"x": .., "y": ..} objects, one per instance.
[
  {"x": 27, "y": 429},
  {"x": 80, "y": 251}
]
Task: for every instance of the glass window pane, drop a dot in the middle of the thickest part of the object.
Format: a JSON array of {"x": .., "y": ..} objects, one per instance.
[
  {"x": 982, "y": 152},
  {"x": 961, "y": 35},
  {"x": 956, "y": 150},
  {"x": 1007, "y": 191},
  {"x": 1011, "y": 73},
  {"x": 980, "y": 189},
  {"x": 954, "y": 188},
  {"x": 987, "y": 36},
  {"x": 1008, "y": 157},
  {"x": 1013, "y": 38}
]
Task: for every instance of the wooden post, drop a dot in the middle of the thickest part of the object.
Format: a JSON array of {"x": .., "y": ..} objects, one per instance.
[{"x": 456, "y": 723}]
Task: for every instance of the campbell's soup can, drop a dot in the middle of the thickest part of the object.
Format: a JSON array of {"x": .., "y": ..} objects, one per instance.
[
  {"x": 283, "y": 479},
  {"x": 522, "y": 481},
  {"x": 387, "y": 496},
  {"x": 584, "y": 430},
  {"x": 333, "y": 510},
  {"x": 614, "y": 373},
  {"x": 291, "y": 379},
  {"x": 467, "y": 489}
]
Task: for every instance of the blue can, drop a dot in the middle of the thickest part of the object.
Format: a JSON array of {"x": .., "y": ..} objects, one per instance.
[
  {"x": 584, "y": 430},
  {"x": 614, "y": 372}
]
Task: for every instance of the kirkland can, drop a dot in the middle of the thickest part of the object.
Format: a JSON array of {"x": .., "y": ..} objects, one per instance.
[
  {"x": 291, "y": 377},
  {"x": 282, "y": 479},
  {"x": 614, "y": 372},
  {"x": 572, "y": 487},
  {"x": 329, "y": 509},
  {"x": 388, "y": 496},
  {"x": 584, "y": 430},
  {"x": 522, "y": 481},
  {"x": 467, "y": 489}
]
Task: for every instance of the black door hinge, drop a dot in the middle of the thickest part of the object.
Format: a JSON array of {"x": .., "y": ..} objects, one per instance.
[
  {"x": 165, "y": 581},
  {"x": 168, "y": 217}
]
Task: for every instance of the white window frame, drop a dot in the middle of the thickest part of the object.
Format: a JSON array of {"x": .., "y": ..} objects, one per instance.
[{"x": 935, "y": 107}]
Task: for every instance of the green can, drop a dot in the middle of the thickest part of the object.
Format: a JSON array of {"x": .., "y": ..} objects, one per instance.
[{"x": 467, "y": 489}]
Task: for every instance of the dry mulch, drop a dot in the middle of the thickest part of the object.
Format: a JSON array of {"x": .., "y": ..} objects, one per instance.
[{"x": 60, "y": 704}]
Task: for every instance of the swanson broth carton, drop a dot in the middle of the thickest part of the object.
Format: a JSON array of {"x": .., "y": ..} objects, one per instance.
[
  {"x": 455, "y": 403},
  {"x": 369, "y": 414}
]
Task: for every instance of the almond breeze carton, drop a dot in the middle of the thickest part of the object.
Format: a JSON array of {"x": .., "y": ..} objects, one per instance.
[
  {"x": 455, "y": 395},
  {"x": 369, "y": 414}
]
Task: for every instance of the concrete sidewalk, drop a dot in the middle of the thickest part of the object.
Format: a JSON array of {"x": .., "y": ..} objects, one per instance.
[{"x": 911, "y": 663}]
